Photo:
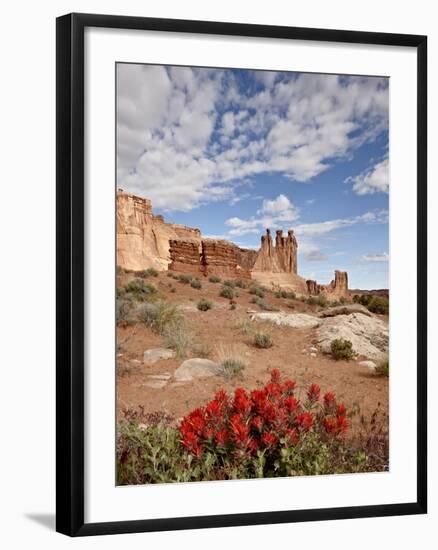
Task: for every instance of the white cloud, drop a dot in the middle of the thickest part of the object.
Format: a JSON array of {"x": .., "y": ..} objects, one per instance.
[
  {"x": 384, "y": 257},
  {"x": 373, "y": 180},
  {"x": 316, "y": 255},
  {"x": 186, "y": 136}
]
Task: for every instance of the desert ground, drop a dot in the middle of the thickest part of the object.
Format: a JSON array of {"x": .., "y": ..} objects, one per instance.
[{"x": 227, "y": 331}]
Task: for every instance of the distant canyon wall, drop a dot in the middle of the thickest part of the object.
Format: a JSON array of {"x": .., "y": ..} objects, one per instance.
[{"x": 145, "y": 240}]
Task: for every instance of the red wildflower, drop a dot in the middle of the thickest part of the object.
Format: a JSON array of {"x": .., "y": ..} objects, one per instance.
[
  {"x": 288, "y": 387},
  {"x": 342, "y": 424},
  {"x": 275, "y": 375},
  {"x": 304, "y": 421},
  {"x": 330, "y": 425},
  {"x": 329, "y": 399},
  {"x": 313, "y": 393},
  {"x": 257, "y": 422},
  {"x": 221, "y": 438},
  {"x": 269, "y": 439},
  {"x": 214, "y": 409},
  {"x": 291, "y": 404},
  {"x": 221, "y": 397},
  {"x": 292, "y": 436},
  {"x": 341, "y": 410},
  {"x": 208, "y": 433},
  {"x": 240, "y": 430},
  {"x": 242, "y": 403},
  {"x": 197, "y": 421}
]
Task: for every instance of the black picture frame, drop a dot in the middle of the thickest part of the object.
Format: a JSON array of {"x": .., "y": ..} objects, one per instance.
[{"x": 70, "y": 272}]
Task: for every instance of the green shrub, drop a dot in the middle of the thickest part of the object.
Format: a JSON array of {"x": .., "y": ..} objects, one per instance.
[
  {"x": 202, "y": 350},
  {"x": 184, "y": 278},
  {"x": 263, "y": 305},
  {"x": 196, "y": 283},
  {"x": 204, "y": 304},
  {"x": 257, "y": 291},
  {"x": 124, "y": 310},
  {"x": 263, "y": 340},
  {"x": 150, "y": 272},
  {"x": 379, "y": 304},
  {"x": 241, "y": 284},
  {"x": 226, "y": 292},
  {"x": 289, "y": 295},
  {"x": 341, "y": 349},
  {"x": 231, "y": 284},
  {"x": 214, "y": 279},
  {"x": 382, "y": 369},
  {"x": 321, "y": 301},
  {"x": 233, "y": 306},
  {"x": 158, "y": 315},
  {"x": 139, "y": 290}
]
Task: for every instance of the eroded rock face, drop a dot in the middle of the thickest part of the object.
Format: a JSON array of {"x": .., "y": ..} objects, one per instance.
[
  {"x": 281, "y": 258},
  {"x": 313, "y": 287},
  {"x": 184, "y": 256},
  {"x": 293, "y": 320},
  {"x": 142, "y": 238},
  {"x": 220, "y": 258},
  {"x": 339, "y": 286}
]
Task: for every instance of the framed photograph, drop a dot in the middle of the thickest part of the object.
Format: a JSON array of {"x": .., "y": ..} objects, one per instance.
[{"x": 241, "y": 257}]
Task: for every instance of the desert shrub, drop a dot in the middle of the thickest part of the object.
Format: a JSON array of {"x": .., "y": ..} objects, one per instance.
[
  {"x": 196, "y": 283},
  {"x": 269, "y": 431},
  {"x": 232, "y": 368},
  {"x": 214, "y": 279},
  {"x": 119, "y": 270},
  {"x": 263, "y": 305},
  {"x": 178, "y": 336},
  {"x": 383, "y": 368},
  {"x": 379, "y": 304},
  {"x": 290, "y": 305},
  {"x": 227, "y": 292},
  {"x": 289, "y": 295},
  {"x": 263, "y": 340},
  {"x": 172, "y": 289},
  {"x": 184, "y": 278},
  {"x": 139, "y": 290},
  {"x": 158, "y": 315},
  {"x": 341, "y": 349},
  {"x": 150, "y": 272},
  {"x": 232, "y": 359},
  {"x": 244, "y": 326},
  {"x": 321, "y": 301},
  {"x": 257, "y": 291},
  {"x": 233, "y": 306},
  {"x": 124, "y": 308},
  {"x": 241, "y": 284},
  {"x": 204, "y": 304},
  {"x": 229, "y": 283},
  {"x": 311, "y": 301}
]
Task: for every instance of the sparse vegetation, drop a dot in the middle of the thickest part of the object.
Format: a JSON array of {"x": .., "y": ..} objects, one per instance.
[
  {"x": 263, "y": 340},
  {"x": 138, "y": 290},
  {"x": 263, "y": 305},
  {"x": 227, "y": 292},
  {"x": 233, "y": 306},
  {"x": 289, "y": 295},
  {"x": 196, "y": 283},
  {"x": 214, "y": 279},
  {"x": 158, "y": 315},
  {"x": 184, "y": 278},
  {"x": 150, "y": 272},
  {"x": 229, "y": 283},
  {"x": 257, "y": 291},
  {"x": 241, "y": 284},
  {"x": 232, "y": 368},
  {"x": 178, "y": 336},
  {"x": 383, "y": 368},
  {"x": 202, "y": 350},
  {"x": 341, "y": 349},
  {"x": 375, "y": 304},
  {"x": 232, "y": 359},
  {"x": 124, "y": 309},
  {"x": 204, "y": 304}
]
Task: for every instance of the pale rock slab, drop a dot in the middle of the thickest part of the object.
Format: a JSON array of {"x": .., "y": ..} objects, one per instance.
[
  {"x": 196, "y": 368},
  {"x": 151, "y": 356},
  {"x": 293, "y": 320}
]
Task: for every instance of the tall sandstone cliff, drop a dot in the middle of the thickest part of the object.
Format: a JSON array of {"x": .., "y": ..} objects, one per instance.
[{"x": 142, "y": 238}]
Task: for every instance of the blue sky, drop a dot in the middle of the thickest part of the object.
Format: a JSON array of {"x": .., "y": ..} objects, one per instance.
[{"x": 233, "y": 152}]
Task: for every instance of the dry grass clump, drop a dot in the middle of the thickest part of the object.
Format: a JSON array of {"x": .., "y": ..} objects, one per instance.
[
  {"x": 383, "y": 368},
  {"x": 263, "y": 340},
  {"x": 179, "y": 337},
  {"x": 232, "y": 359}
]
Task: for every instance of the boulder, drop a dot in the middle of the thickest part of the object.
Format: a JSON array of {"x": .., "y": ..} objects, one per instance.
[
  {"x": 151, "y": 356},
  {"x": 196, "y": 368},
  {"x": 293, "y": 320},
  {"x": 369, "y": 335},
  {"x": 368, "y": 364}
]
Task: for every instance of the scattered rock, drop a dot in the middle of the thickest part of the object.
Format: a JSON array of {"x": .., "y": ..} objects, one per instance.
[
  {"x": 164, "y": 376},
  {"x": 345, "y": 310},
  {"x": 151, "y": 356},
  {"x": 196, "y": 368},
  {"x": 368, "y": 364},
  {"x": 155, "y": 384},
  {"x": 135, "y": 362},
  {"x": 313, "y": 355},
  {"x": 369, "y": 335},
  {"x": 313, "y": 349},
  {"x": 293, "y": 320},
  {"x": 251, "y": 311}
]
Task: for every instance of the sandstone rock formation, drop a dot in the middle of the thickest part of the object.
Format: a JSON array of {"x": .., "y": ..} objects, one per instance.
[
  {"x": 145, "y": 240},
  {"x": 142, "y": 238}
]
